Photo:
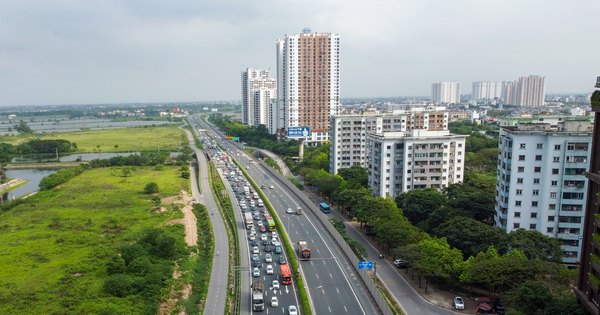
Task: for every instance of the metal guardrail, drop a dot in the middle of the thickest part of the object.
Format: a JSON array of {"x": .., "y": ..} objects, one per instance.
[{"x": 345, "y": 248}]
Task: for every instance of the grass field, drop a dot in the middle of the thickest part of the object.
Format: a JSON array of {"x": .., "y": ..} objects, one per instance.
[
  {"x": 166, "y": 137},
  {"x": 54, "y": 249}
]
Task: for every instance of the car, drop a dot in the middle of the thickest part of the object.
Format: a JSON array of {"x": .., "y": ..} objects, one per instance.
[
  {"x": 254, "y": 243},
  {"x": 265, "y": 243},
  {"x": 255, "y": 250},
  {"x": 459, "y": 304},
  {"x": 268, "y": 258},
  {"x": 260, "y": 223},
  {"x": 263, "y": 210},
  {"x": 239, "y": 185},
  {"x": 273, "y": 241},
  {"x": 253, "y": 237},
  {"x": 401, "y": 263},
  {"x": 274, "y": 234},
  {"x": 267, "y": 248},
  {"x": 274, "y": 301},
  {"x": 256, "y": 217},
  {"x": 282, "y": 260},
  {"x": 289, "y": 210},
  {"x": 270, "y": 269},
  {"x": 256, "y": 262},
  {"x": 252, "y": 231},
  {"x": 256, "y": 272},
  {"x": 263, "y": 237},
  {"x": 275, "y": 284},
  {"x": 271, "y": 187},
  {"x": 292, "y": 310},
  {"x": 263, "y": 228},
  {"x": 263, "y": 187}
]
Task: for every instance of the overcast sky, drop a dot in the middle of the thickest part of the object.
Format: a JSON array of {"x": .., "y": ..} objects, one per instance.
[{"x": 108, "y": 51}]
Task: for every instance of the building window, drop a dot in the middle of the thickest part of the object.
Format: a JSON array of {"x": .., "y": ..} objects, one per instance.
[
  {"x": 516, "y": 225},
  {"x": 536, "y": 180},
  {"x": 556, "y": 159},
  {"x": 553, "y": 183},
  {"x": 554, "y": 171},
  {"x": 521, "y": 169},
  {"x": 536, "y": 192},
  {"x": 553, "y": 195},
  {"x": 557, "y": 147},
  {"x": 537, "y": 169},
  {"x": 550, "y": 230},
  {"x": 521, "y": 158},
  {"x": 534, "y": 214},
  {"x": 519, "y": 191},
  {"x": 518, "y": 203},
  {"x": 517, "y": 214},
  {"x": 522, "y": 146},
  {"x": 540, "y": 145},
  {"x": 532, "y": 226},
  {"x": 538, "y": 157},
  {"x": 550, "y": 218},
  {"x": 534, "y": 203},
  {"x": 519, "y": 181},
  {"x": 552, "y": 206}
]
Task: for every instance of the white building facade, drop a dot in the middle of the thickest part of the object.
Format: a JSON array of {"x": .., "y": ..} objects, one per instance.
[
  {"x": 541, "y": 183},
  {"x": 257, "y": 89},
  {"x": 308, "y": 78},
  {"x": 526, "y": 91},
  {"x": 486, "y": 90},
  {"x": 445, "y": 92},
  {"x": 393, "y": 145}
]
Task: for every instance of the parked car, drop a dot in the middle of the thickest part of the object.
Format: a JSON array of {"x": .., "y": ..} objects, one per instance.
[
  {"x": 458, "y": 303},
  {"x": 401, "y": 263}
]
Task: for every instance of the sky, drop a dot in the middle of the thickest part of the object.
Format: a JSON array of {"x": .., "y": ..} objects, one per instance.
[{"x": 108, "y": 51}]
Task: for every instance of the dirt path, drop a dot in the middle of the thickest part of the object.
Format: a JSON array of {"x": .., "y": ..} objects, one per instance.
[
  {"x": 189, "y": 219},
  {"x": 11, "y": 184}
]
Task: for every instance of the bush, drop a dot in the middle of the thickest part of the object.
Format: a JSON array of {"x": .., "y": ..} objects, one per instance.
[
  {"x": 117, "y": 285},
  {"x": 151, "y": 188}
]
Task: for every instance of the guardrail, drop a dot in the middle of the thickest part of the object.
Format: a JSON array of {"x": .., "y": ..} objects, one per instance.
[{"x": 345, "y": 248}]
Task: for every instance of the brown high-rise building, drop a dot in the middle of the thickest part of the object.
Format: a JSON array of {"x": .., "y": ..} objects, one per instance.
[
  {"x": 308, "y": 83},
  {"x": 588, "y": 284}
]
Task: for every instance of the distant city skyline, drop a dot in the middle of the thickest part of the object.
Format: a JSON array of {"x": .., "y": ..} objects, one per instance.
[{"x": 153, "y": 51}]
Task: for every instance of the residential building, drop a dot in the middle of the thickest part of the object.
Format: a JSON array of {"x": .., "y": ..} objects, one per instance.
[
  {"x": 541, "y": 184},
  {"x": 588, "y": 283},
  {"x": 445, "y": 92},
  {"x": 308, "y": 81},
  {"x": 393, "y": 144},
  {"x": 486, "y": 90},
  {"x": 257, "y": 89},
  {"x": 527, "y": 91}
]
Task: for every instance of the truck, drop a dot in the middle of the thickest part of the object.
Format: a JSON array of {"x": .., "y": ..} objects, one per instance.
[
  {"x": 248, "y": 220},
  {"x": 303, "y": 250},
  {"x": 298, "y": 210},
  {"x": 258, "y": 300}
]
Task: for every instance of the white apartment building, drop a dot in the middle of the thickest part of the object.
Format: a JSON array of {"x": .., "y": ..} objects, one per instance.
[
  {"x": 308, "y": 82},
  {"x": 541, "y": 183},
  {"x": 413, "y": 139},
  {"x": 527, "y": 91},
  {"x": 486, "y": 90},
  {"x": 257, "y": 89},
  {"x": 445, "y": 92}
]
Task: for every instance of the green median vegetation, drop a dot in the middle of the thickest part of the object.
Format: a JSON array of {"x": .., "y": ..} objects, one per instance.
[{"x": 61, "y": 247}]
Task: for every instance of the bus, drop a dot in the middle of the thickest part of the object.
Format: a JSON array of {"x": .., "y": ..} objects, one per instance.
[
  {"x": 286, "y": 275},
  {"x": 271, "y": 224},
  {"x": 324, "y": 207}
]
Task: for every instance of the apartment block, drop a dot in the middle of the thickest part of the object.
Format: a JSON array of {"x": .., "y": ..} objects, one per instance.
[
  {"x": 257, "y": 89},
  {"x": 308, "y": 78},
  {"x": 541, "y": 178},
  {"x": 486, "y": 90},
  {"x": 526, "y": 91},
  {"x": 445, "y": 92}
]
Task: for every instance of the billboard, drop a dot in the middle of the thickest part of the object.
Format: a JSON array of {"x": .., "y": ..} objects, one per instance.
[{"x": 298, "y": 132}]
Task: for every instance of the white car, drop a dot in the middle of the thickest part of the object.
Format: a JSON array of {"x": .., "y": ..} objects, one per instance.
[
  {"x": 274, "y": 234},
  {"x": 256, "y": 272},
  {"x": 252, "y": 237},
  {"x": 255, "y": 250},
  {"x": 268, "y": 258},
  {"x": 263, "y": 237},
  {"x": 289, "y": 210},
  {"x": 275, "y": 284},
  {"x": 274, "y": 301},
  {"x": 260, "y": 223},
  {"x": 269, "y": 270},
  {"x": 293, "y": 310},
  {"x": 458, "y": 303},
  {"x": 271, "y": 187}
]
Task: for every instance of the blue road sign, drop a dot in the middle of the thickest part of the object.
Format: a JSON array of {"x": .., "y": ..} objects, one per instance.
[
  {"x": 298, "y": 132},
  {"x": 365, "y": 265}
]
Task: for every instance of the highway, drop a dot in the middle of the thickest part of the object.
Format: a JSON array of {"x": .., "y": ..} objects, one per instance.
[{"x": 330, "y": 281}]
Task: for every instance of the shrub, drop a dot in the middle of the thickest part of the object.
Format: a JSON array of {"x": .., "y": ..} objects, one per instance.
[{"x": 151, "y": 188}]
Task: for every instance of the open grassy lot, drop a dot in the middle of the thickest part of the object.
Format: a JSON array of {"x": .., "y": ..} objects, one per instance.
[
  {"x": 165, "y": 137},
  {"x": 54, "y": 250}
]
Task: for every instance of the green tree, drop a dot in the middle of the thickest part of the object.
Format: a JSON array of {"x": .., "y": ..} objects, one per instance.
[
  {"x": 562, "y": 306},
  {"x": 535, "y": 245},
  {"x": 471, "y": 236},
  {"x": 355, "y": 172},
  {"x": 418, "y": 204},
  {"x": 438, "y": 260},
  {"x": 23, "y": 128},
  {"x": 117, "y": 285},
  {"x": 531, "y": 297},
  {"x": 151, "y": 188}
]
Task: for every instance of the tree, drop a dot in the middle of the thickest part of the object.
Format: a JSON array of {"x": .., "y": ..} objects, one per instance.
[
  {"x": 535, "y": 245},
  {"x": 22, "y": 127},
  {"x": 355, "y": 172},
  {"x": 437, "y": 259},
  {"x": 471, "y": 236},
  {"x": 151, "y": 188},
  {"x": 418, "y": 204},
  {"x": 562, "y": 306},
  {"x": 531, "y": 297}
]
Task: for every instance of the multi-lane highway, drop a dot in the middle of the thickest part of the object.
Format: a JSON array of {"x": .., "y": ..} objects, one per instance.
[{"x": 330, "y": 282}]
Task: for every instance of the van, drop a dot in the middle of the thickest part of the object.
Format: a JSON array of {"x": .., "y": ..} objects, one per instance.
[{"x": 298, "y": 210}]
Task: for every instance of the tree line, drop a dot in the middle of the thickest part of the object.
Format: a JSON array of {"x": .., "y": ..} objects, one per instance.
[{"x": 36, "y": 146}]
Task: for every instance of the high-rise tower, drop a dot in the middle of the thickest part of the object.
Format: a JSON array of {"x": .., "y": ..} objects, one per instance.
[
  {"x": 308, "y": 83},
  {"x": 257, "y": 88}
]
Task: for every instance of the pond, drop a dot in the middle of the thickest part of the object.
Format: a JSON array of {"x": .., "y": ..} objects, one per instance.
[{"x": 34, "y": 176}]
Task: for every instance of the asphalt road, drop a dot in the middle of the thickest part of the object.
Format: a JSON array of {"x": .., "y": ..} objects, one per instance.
[{"x": 330, "y": 281}]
